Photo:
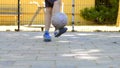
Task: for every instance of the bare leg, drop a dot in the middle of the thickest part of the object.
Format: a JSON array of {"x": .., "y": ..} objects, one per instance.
[
  {"x": 48, "y": 15},
  {"x": 51, "y": 11},
  {"x": 56, "y": 7}
]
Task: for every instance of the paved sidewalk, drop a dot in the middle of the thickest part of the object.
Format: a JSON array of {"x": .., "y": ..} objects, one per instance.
[
  {"x": 71, "y": 50},
  {"x": 77, "y": 28}
]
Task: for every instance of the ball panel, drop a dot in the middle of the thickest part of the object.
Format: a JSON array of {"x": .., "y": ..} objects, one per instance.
[{"x": 59, "y": 20}]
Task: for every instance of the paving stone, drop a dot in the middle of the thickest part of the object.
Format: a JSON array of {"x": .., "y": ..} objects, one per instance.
[{"x": 71, "y": 50}]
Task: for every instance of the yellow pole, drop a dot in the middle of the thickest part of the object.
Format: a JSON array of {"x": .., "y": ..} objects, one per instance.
[{"x": 118, "y": 18}]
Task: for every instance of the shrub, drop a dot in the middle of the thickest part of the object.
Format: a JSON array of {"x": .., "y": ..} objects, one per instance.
[{"x": 102, "y": 14}]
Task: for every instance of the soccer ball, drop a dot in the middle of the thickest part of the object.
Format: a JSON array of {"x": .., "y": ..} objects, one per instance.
[{"x": 59, "y": 20}]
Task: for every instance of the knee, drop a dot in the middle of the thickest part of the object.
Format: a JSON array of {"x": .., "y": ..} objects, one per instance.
[{"x": 48, "y": 10}]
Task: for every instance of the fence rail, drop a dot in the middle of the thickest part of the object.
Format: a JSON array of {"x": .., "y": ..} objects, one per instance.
[{"x": 26, "y": 12}]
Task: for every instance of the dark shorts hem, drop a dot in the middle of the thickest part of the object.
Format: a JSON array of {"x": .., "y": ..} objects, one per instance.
[{"x": 49, "y": 3}]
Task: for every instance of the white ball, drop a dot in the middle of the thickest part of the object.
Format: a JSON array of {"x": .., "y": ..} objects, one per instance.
[{"x": 59, "y": 20}]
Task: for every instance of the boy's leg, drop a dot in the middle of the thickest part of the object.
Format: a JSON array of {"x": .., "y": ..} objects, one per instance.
[
  {"x": 48, "y": 15},
  {"x": 56, "y": 9}
]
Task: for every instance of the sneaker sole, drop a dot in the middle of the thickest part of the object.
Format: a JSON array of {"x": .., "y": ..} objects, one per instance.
[
  {"x": 47, "y": 40},
  {"x": 61, "y": 33}
]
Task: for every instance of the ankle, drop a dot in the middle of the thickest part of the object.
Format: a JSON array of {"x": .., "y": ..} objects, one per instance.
[{"x": 46, "y": 32}]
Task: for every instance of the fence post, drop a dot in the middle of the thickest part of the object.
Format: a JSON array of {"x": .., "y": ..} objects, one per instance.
[
  {"x": 18, "y": 19},
  {"x": 73, "y": 14}
]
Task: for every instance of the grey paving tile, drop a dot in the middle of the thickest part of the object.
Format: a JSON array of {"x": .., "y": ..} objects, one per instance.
[{"x": 71, "y": 50}]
